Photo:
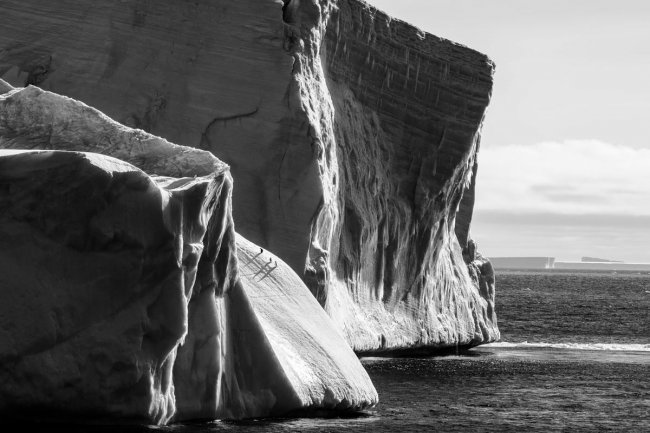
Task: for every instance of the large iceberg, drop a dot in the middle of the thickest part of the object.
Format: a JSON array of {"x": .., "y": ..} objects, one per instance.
[
  {"x": 352, "y": 137},
  {"x": 126, "y": 293}
]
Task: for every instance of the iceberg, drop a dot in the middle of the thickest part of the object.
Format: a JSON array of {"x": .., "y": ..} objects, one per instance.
[{"x": 128, "y": 296}]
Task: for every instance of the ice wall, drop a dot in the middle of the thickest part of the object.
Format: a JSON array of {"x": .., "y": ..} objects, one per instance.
[{"x": 407, "y": 114}]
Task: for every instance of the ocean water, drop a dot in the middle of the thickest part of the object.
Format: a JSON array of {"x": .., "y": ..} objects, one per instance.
[{"x": 574, "y": 356}]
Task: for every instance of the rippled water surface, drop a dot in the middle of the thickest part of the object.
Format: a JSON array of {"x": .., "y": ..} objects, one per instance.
[
  {"x": 575, "y": 356},
  {"x": 584, "y": 307}
]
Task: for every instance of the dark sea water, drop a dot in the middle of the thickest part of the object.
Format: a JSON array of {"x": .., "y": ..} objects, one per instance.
[{"x": 574, "y": 356}]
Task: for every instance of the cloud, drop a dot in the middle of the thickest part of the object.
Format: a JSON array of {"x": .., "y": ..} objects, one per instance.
[
  {"x": 575, "y": 177},
  {"x": 571, "y": 221},
  {"x": 565, "y": 236}
]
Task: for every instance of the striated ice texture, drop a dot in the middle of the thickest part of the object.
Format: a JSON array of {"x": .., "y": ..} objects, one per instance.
[
  {"x": 125, "y": 294},
  {"x": 403, "y": 122},
  {"x": 352, "y": 138}
]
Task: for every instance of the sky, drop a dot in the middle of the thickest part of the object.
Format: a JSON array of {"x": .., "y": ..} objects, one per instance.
[{"x": 564, "y": 165}]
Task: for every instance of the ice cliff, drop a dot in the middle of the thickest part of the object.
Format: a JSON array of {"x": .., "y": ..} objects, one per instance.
[
  {"x": 125, "y": 293},
  {"x": 352, "y": 138}
]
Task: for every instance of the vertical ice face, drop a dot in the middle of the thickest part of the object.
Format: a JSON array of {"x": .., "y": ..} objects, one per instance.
[
  {"x": 397, "y": 117},
  {"x": 97, "y": 262},
  {"x": 352, "y": 138}
]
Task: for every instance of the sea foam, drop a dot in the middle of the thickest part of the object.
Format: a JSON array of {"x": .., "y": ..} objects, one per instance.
[{"x": 573, "y": 346}]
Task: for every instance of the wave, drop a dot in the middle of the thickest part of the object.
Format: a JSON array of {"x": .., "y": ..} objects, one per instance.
[{"x": 574, "y": 346}]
